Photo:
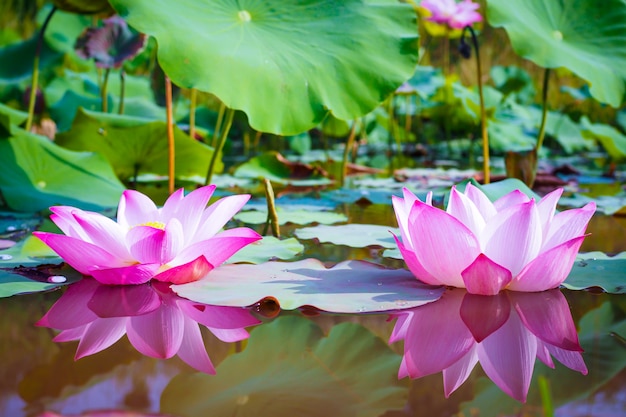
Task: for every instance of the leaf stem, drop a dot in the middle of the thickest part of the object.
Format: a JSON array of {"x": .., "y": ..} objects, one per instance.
[
  {"x": 122, "y": 90},
  {"x": 228, "y": 122},
  {"x": 103, "y": 91},
  {"x": 170, "y": 135},
  {"x": 218, "y": 124},
  {"x": 192, "y": 113},
  {"x": 346, "y": 152},
  {"x": 544, "y": 109},
  {"x": 272, "y": 214},
  {"x": 35, "y": 78}
]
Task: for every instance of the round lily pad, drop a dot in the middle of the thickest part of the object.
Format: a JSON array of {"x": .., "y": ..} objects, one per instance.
[
  {"x": 353, "y": 235},
  {"x": 348, "y": 287}
]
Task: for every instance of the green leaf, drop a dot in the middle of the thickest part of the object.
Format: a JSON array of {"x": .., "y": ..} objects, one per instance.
[
  {"x": 37, "y": 174},
  {"x": 289, "y": 368},
  {"x": 16, "y": 117},
  {"x": 353, "y": 235},
  {"x": 17, "y": 60},
  {"x": 575, "y": 34},
  {"x": 611, "y": 139},
  {"x": 596, "y": 269},
  {"x": 138, "y": 148},
  {"x": 29, "y": 252},
  {"x": 63, "y": 29},
  {"x": 276, "y": 168},
  {"x": 348, "y": 287},
  {"x": 285, "y": 63},
  {"x": 268, "y": 249}
]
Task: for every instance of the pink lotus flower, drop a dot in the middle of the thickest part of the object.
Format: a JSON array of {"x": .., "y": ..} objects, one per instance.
[
  {"x": 505, "y": 333},
  {"x": 514, "y": 243},
  {"x": 178, "y": 243},
  {"x": 449, "y": 12},
  {"x": 157, "y": 322}
]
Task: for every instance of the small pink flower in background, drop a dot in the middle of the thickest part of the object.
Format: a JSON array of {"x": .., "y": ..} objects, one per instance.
[
  {"x": 505, "y": 333},
  {"x": 514, "y": 243},
  {"x": 157, "y": 322},
  {"x": 453, "y": 14},
  {"x": 178, "y": 243}
]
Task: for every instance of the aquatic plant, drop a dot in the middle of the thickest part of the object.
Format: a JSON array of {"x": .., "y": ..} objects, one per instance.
[
  {"x": 177, "y": 243},
  {"x": 514, "y": 243}
]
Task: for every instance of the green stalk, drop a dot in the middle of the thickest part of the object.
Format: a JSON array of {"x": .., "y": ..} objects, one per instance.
[
  {"x": 544, "y": 109},
  {"x": 346, "y": 152},
  {"x": 103, "y": 91},
  {"x": 192, "y": 113},
  {"x": 228, "y": 122},
  {"x": 546, "y": 396},
  {"x": 122, "y": 90},
  {"x": 35, "y": 79},
  {"x": 170, "y": 135},
  {"x": 272, "y": 214},
  {"x": 483, "y": 115},
  {"x": 218, "y": 124}
]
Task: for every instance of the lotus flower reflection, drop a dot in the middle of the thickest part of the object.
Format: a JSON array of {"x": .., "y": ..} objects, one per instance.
[
  {"x": 449, "y": 12},
  {"x": 505, "y": 333},
  {"x": 178, "y": 243},
  {"x": 157, "y": 322},
  {"x": 514, "y": 243}
]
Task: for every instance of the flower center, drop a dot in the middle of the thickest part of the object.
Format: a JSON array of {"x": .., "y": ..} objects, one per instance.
[{"x": 156, "y": 225}]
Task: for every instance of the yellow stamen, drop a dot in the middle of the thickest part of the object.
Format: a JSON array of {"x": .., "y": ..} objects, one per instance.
[{"x": 156, "y": 225}]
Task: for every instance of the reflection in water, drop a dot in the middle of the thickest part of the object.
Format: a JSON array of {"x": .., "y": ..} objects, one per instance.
[
  {"x": 157, "y": 322},
  {"x": 505, "y": 333}
]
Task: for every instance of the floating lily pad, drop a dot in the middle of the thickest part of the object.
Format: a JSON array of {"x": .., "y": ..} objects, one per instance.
[
  {"x": 596, "y": 269},
  {"x": 575, "y": 34},
  {"x": 292, "y": 216},
  {"x": 138, "y": 149},
  {"x": 289, "y": 368},
  {"x": 609, "y": 205},
  {"x": 37, "y": 174},
  {"x": 30, "y": 266},
  {"x": 353, "y": 235},
  {"x": 285, "y": 63},
  {"x": 348, "y": 287},
  {"x": 268, "y": 249}
]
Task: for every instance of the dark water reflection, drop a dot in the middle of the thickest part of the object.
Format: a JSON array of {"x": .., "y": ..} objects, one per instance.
[{"x": 331, "y": 365}]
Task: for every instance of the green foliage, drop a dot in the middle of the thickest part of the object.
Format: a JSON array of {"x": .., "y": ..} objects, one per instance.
[
  {"x": 575, "y": 34},
  {"x": 285, "y": 63},
  {"x": 135, "y": 147}
]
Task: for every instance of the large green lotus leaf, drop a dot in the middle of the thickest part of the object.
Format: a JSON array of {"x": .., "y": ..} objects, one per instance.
[
  {"x": 289, "y": 368},
  {"x": 285, "y": 63},
  {"x": 348, "y": 287},
  {"x": 37, "y": 174},
  {"x": 139, "y": 149},
  {"x": 292, "y": 216},
  {"x": 353, "y": 235},
  {"x": 582, "y": 35},
  {"x": 29, "y": 252},
  {"x": 596, "y": 269},
  {"x": 603, "y": 353},
  {"x": 611, "y": 139},
  {"x": 268, "y": 249}
]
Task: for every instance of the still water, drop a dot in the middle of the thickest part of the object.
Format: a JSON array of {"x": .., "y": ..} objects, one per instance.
[{"x": 460, "y": 356}]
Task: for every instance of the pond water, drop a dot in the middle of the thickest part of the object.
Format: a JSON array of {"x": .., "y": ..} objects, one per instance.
[{"x": 308, "y": 363}]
